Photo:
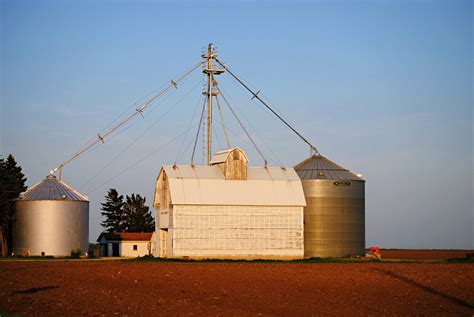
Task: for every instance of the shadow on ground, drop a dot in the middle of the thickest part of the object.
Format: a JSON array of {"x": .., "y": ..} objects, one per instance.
[
  {"x": 35, "y": 290},
  {"x": 427, "y": 288}
]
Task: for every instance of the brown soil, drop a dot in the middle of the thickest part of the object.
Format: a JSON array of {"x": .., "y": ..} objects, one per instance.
[
  {"x": 423, "y": 254},
  {"x": 71, "y": 288}
]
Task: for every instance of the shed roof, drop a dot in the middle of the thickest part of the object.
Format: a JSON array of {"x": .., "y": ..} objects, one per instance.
[
  {"x": 51, "y": 188},
  {"x": 320, "y": 167},
  {"x": 125, "y": 236},
  {"x": 206, "y": 185}
]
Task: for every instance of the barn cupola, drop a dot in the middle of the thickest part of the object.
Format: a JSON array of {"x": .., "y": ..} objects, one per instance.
[{"x": 232, "y": 162}]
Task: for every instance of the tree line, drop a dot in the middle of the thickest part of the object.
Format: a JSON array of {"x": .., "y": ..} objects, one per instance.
[
  {"x": 129, "y": 214},
  {"x": 12, "y": 183}
]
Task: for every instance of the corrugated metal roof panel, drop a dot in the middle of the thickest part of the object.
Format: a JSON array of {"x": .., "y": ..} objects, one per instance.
[
  {"x": 200, "y": 172},
  {"x": 319, "y": 167},
  {"x": 206, "y": 185},
  {"x": 214, "y": 172},
  {"x": 272, "y": 173},
  {"x": 51, "y": 188}
]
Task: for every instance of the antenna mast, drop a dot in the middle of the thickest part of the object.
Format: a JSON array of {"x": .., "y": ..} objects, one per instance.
[{"x": 211, "y": 91}]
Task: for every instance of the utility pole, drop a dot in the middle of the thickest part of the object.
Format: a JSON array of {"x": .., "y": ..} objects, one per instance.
[{"x": 210, "y": 72}]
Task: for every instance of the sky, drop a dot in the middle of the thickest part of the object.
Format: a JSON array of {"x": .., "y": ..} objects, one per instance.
[{"x": 383, "y": 88}]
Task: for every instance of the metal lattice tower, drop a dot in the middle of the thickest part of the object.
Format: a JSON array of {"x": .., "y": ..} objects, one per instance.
[{"x": 211, "y": 91}]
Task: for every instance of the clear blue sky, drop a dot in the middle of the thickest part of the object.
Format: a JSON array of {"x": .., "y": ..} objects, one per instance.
[{"x": 383, "y": 88}]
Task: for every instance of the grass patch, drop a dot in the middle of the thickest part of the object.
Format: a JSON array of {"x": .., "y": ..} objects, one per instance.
[
  {"x": 309, "y": 260},
  {"x": 5, "y": 314},
  {"x": 20, "y": 257},
  {"x": 468, "y": 258},
  {"x": 45, "y": 258}
]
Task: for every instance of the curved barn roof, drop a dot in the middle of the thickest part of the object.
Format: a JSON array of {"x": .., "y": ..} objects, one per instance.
[{"x": 206, "y": 185}]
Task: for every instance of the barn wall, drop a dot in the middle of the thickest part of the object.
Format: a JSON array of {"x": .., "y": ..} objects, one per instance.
[
  {"x": 126, "y": 248},
  {"x": 237, "y": 231},
  {"x": 235, "y": 167}
]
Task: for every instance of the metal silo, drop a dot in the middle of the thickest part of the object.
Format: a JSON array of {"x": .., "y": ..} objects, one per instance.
[
  {"x": 334, "y": 216},
  {"x": 51, "y": 219}
]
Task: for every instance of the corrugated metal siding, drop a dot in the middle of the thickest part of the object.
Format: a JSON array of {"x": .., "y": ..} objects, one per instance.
[
  {"x": 335, "y": 211},
  {"x": 251, "y": 231},
  {"x": 334, "y": 219},
  {"x": 53, "y": 227},
  {"x": 51, "y": 188}
]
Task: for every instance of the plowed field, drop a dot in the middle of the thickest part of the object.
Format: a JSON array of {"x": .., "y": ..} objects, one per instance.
[
  {"x": 420, "y": 255},
  {"x": 72, "y": 288}
]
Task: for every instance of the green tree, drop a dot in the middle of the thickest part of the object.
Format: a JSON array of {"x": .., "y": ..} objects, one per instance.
[
  {"x": 12, "y": 183},
  {"x": 112, "y": 210},
  {"x": 6, "y": 189},
  {"x": 137, "y": 216}
]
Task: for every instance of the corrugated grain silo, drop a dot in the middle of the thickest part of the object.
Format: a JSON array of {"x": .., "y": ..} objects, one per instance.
[
  {"x": 51, "y": 219},
  {"x": 335, "y": 209}
]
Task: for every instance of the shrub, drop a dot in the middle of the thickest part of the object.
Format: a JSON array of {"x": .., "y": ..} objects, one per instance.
[{"x": 76, "y": 254}]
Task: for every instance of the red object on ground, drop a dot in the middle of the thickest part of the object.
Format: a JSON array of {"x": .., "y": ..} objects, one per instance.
[{"x": 374, "y": 250}]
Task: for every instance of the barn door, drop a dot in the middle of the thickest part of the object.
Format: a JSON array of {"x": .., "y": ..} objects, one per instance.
[
  {"x": 115, "y": 249},
  {"x": 104, "y": 250},
  {"x": 163, "y": 243}
]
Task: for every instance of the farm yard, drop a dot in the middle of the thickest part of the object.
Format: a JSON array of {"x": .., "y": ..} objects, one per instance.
[{"x": 99, "y": 287}]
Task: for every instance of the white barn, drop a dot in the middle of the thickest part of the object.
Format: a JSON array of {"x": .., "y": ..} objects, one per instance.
[{"x": 227, "y": 210}]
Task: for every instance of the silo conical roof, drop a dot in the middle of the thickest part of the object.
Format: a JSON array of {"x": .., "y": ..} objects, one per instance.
[
  {"x": 51, "y": 188},
  {"x": 320, "y": 167}
]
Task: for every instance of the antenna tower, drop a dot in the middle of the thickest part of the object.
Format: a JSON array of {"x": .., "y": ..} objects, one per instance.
[{"x": 210, "y": 70}]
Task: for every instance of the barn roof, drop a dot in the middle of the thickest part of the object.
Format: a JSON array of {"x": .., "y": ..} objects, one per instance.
[
  {"x": 206, "y": 185},
  {"x": 125, "y": 236}
]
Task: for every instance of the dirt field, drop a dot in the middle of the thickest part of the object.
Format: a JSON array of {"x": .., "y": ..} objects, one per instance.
[
  {"x": 423, "y": 254},
  {"x": 71, "y": 288}
]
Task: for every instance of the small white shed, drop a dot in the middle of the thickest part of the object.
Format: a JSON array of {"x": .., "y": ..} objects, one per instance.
[
  {"x": 228, "y": 210},
  {"x": 125, "y": 244}
]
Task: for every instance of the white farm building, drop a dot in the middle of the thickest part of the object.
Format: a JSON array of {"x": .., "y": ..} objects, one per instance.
[
  {"x": 229, "y": 210},
  {"x": 125, "y": 244}
]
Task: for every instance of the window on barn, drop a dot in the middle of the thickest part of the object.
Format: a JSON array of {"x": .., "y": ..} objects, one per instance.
[
  {"x": 164, "y": 194},
  {"x": 135, "y": 247}
]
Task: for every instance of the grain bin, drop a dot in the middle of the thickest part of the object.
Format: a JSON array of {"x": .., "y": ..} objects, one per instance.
[
  {"x": 51, "y": 219},
  {"x": 335, "y": 209}
]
